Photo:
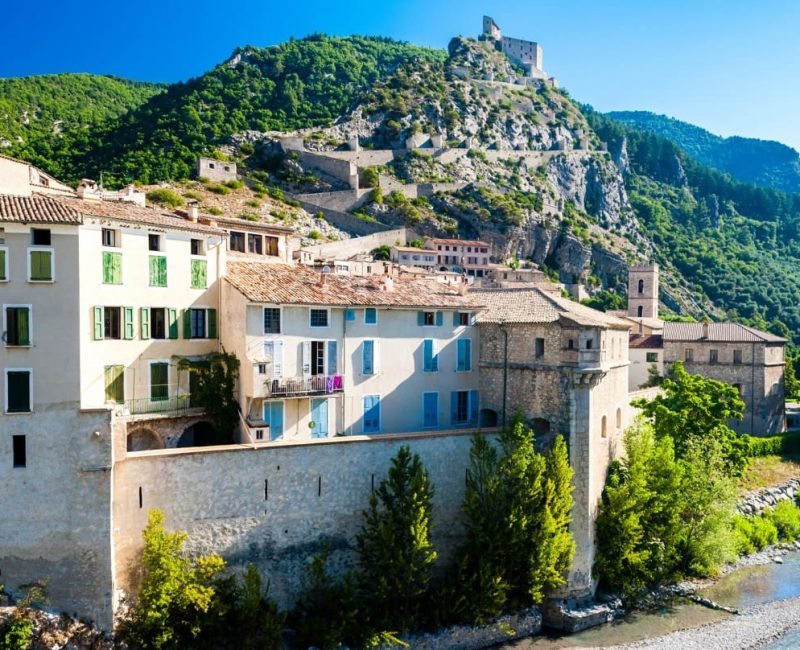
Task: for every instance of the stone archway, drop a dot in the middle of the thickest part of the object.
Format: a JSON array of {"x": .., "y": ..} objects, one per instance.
[
  {"x": 488, "y": 418},
  {"x": 201, "y": 434},
  {"x": 144, "y": 439},
  {"x": 541, "y": 427}
]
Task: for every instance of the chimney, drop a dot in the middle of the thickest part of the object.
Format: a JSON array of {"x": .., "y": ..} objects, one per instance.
[
  {"x": 462, "y": 289},
  {"x": 705, "y": 330},
  {"x": 388, "y": 283},
  {"x": 192, "y": 213}
]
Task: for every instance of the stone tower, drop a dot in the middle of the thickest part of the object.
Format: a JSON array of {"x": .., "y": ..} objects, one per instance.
[
  {"x": 643, "y": 291},
  {"x": 490, "y": 28}
]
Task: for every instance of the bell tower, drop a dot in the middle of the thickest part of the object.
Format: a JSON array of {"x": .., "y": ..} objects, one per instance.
[{"x": 643, "y": 291}]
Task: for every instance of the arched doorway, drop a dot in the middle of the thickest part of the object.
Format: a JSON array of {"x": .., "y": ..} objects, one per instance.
[
  {"x": 201, "y": 434},
  {"x": 541, "y": 427},
  {"x": 144, "y": 440}
]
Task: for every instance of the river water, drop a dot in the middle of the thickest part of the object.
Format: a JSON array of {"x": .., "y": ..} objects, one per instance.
[{"x": 742, "y": 589}]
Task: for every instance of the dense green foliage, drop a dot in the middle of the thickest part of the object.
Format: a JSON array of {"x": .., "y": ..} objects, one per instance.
[
  {"x": 693, "y": 409},
  {"x": 16, "y": 632},
  {"x": 662, "y": 516},
  {"x": 763, "y": 162},
  {"x": 394, "y": 547},
  {"x": 191, "y": 603},
  {"x": 756, "y": 532},
  {"x": 783, "y": 444},
  {"x": 44, "y": 118},
  {"x": 216, "y": 390},
  {"x": 516, "y": 514}
]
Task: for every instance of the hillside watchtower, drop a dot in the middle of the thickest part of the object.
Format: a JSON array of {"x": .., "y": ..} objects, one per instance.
[{"x": 643, "y": 291}]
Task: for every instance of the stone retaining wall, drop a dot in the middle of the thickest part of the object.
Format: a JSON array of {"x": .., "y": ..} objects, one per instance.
[{"x": 756, "y": 502}]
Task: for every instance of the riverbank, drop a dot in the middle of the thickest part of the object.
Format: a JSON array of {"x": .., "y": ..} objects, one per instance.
[{"x": 753, "y": 628}]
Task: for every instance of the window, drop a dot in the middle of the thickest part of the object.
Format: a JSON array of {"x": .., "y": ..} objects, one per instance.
[
  {"x": 738, "y": 388},
  {"x": 538, "y": 348},
  {"x": 17, "y": 326},
  {"x": 430, "y": 410},
  {"x": 158, "y": 271},
  {"x": 273, "y": 352},
  {"x": 603, "y": 427},
  {"x": 737, "y": 356},
  {"x": 641, "y": 286},
  {"x": 211, "y": 165},
  {"x": 197, "y": 247},
  {"x": 237, "y": 241},
  {"x": 272, "y": 320},
  {"x": 571, "y": 344},
  {"x": 3, "y": 264},
  {"x": 464, "y": 355},
  {"x": 115, "y": 384},
  {"x": 689, "y": 355},
  {"x": 197, "y": 323},
  {"x": 372, "y": 414},
  {"x": 429, "y": 318},
  {"x": 350, "y": 314},
  {"x": 463, "y": 407},
  {"x": 461, "y": 318},
  {"x": 271, "y": 246},
  {"x": 273, "y": 418},
  {"x": 40, "y": 265},
  {"x": 370, "y": 316},
  {"x": 112, "y": 267},
  {"x": 158, "y": 323},
  {"x": 109, "y": 237},
  {"x": 40, "y": 237},
  {"x": 111, "y": 323},
  {"x": 619, "y": 418},
  {"x": 159, "y": 381},
  {"x": 652, "y": 357},
  {"x": 199, "y": 270},
  {"x": 368, "y": 357},
  {"x": 430, "y": 356},
  {"x": 589, "y": 344},
  {"x": 20, "y": 456},
  {"x": 154, "y": 242},
  {"x": 18, "y": 391},
  {"x": 318, "y": 317},
  {"x": 640, "y": 311},
  {"x": 713, "y": 356},
  {"x": 255, "y": 244}
]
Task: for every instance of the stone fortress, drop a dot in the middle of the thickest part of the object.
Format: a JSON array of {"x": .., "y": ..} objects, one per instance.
[{"x": 526, "y": 54}]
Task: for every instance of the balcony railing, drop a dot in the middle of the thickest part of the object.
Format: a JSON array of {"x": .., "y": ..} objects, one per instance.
[
  {"x": 170, "y": 405},
  {"x": 299, "y": 386}
]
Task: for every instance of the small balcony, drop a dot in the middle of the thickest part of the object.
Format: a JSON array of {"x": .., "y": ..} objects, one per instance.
[
  {"x": 304, "y": 386},
  {"x": 177, "y": 405}
]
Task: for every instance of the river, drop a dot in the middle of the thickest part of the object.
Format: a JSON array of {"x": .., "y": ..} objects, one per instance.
[{"x": 744, "y": 588}]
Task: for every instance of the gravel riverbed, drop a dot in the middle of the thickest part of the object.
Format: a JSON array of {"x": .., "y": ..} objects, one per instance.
[{"x": 752, "y": 628}]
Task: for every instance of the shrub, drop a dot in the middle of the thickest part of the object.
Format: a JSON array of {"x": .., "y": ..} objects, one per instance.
[
  {"x": 165, "y": 196},
  {"x": 16, "y": 632},
  {"x": 234, "y": 185},
  {"x": 259, "y": 188},
  {"x": 786, "y": 443},
  {"x": 786, "y": 518},
  {"x": 370, "y": 177},
  {"x": 753, "y": 533},
  {"x": 249, "y": 216},
  {"x": 195, "y": 196},
  {"x": 216, "y": 188},
  {"x": 315, "y": 234},
  {"x": 253, "y": 203},
  {"x": 215, "y": 211}
]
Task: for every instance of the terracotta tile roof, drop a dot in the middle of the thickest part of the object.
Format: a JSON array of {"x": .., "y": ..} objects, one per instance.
[
  {"x": 37, "y": 209},
  {"x": 534, "y": 305},
  {"x": 652, "y": 341},
  {"x": 412, "y": 249},
  {"x": 286, "y": 284},
  {"x": 719, "y": 332},
  {"x": 457, "y": 242},
  {"x": 130, "y": 212}
]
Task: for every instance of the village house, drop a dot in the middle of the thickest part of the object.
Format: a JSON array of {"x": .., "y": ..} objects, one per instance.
[
  {"x": 414, "y": 257},
  {"x": 469, "y": 257}
]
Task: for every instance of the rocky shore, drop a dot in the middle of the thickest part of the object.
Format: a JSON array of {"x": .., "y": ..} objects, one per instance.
[{"x": 752, "y": 628}]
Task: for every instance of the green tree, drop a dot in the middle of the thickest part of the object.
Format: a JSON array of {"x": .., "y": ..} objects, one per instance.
[
  {"x": 176, "y": 592},
  {"x": 394, "y": 548},
  {"x": 694, "y": 407},
  {"x": 370, "y": 177},
  {"x": 216, "y": 390},
  {"x": 382, "y": 253}
]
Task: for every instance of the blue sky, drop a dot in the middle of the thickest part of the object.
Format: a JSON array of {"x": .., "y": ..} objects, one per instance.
[{"x": 729, "y": 66}]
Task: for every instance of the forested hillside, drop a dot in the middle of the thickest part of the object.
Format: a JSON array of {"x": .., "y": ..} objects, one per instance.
[
  {"x": 43, "y": 118},
  {"x": 762, "y": 162}
]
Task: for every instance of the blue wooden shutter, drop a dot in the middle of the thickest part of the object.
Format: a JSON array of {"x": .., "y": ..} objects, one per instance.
[
  {"x": 427, "y": 354},
  {"x": 274, "y": 411},
  {"x": 473, "y": 407},
  {"x": 331, "y": 357},
  {"x": 454, "y": 408},
  {"x": 349, "y": 314},
  {"x": 212, "y": 324},
  {"x": 420, "y": 318},
  {"x": 367, "y": 351},
  {"x": 439, "y": 318},
  {"x": 455, "y": 319},
  {"x": 187, "y": 323},
  {"x": 430, "y": 410}
]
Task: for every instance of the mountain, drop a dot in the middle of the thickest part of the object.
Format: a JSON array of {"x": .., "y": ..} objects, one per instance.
[
  {"x": 41, "y": 117},
  {"x": 763, "y": 162},
  {"x": 544, "y": 179}
]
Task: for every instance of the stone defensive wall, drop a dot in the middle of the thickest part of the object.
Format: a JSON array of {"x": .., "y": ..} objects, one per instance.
[
  {"x": 343, "y": 220},
  {"x": 342, "y": 201},
  {"x": 273, "y": 504},
  {"x": 348, "y": 247}
]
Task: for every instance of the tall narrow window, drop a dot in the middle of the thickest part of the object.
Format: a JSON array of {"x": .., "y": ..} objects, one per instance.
[
  {"x": 713, "y": 356},
  {"x": 158, "y": 323},
  {"x": 271, "y": 246},
  {"x": 737, "y": 356},
  {"x": 641, "y": 286},
  {"x": 464, "y": 355},
  {"x": 255, "y": 244},
  {"x": 640, "y": 311},
  {"x": 154, "y": 242},
  {"x": 18, "y": 326},
  {"x": 237, "y": 241},
  {"x": 197, "y": 323},
  {"x": 367, "y": 357},
  {"x": 538, "y": 348},
  {"x": 199, "y": 271},
  {"x": 3, "y": 264},
  {"x": 18, "y": 391},
  {"x": 272, "y": 320},
  {"x": 109, "y": 237},
  {"x": 159, "y": 382},
  {"x": 372, "y": 414},
  {"x": 197, "y": 247},
  {"x": 463, "y": 407},
  {"x": 430, "y": 356},
  {"x": 112, "y": 326},
  {"x": 20, "y": 455},
  {"x": 430, "y": 410},
  {"x": 370, "y": 316},
  {"x": 689, "y": 355}
]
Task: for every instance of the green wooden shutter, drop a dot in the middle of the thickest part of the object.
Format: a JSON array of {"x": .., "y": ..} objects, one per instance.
[
  {"x": 127, "y": 323},
  {"x": 98, "y": 323},
  {"x": 172, "y": 315},
  {"x": 199, "y": 274},
  {"x": 212, "y": 323},
  {"x": 112, "y": 268},
  {"x": 115, "y": 384},
  {"x": 3, "y": 274},
  {"x": 162, "y": 271},
  {"x": 187, "y": 323},
  {"x": 144, "y": 323},
  {"x": 23, "y": 326},
  {"x": 40, "y": 265},
  {"x": 153, "y": 271}
]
